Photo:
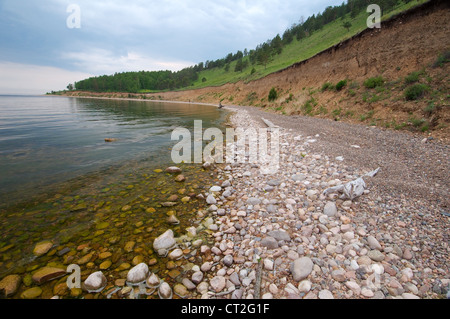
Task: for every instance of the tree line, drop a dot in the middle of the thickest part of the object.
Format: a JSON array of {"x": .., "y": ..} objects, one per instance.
[{"x": 263, "y": 54}]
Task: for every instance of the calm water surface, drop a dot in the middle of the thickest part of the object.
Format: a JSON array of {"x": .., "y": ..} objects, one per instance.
[{"x": 46, "y": 140}]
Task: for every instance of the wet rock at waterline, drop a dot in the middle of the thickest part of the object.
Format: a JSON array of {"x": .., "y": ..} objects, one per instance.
[
  {"x": 138, "y": 274},
  {"x": 164, "y": 291},
  {"x": 173, "y": 220},
  {"x": 95, "y": 282},
  {"x": 164, "y": 242},
  {"x": 153, "y": 281},
  {"x": 47, "y": 274}
]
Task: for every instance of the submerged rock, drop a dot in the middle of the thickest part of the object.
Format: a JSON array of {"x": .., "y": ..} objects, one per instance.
[
  {"x": 280, "y": 235},
  {"x": 9, "y": 285},
  {"x": 180, "y": 178},
  {"x": 31, "y": 293},
  {"x": 169, "y": 204},
  {"x": 42, "y": 248},
  {"x": 46, "y": 274},
  {"x": 173, "y": 220}
]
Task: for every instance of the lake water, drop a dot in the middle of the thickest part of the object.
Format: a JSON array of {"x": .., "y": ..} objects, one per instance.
[
  {"x": 47, "y": 140},
  {"x": 61, "y": 182}
]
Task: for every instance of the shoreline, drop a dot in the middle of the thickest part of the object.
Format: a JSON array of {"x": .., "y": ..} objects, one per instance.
[
  {"x": 279, "y": 237},
  {"x": 133, "y": 99}
]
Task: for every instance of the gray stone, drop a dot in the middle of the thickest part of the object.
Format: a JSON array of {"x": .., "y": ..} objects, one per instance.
[
  {"x": 215, "y": 189},
  {"x": 269, "y": 242},
  {"x": 237, "y": 294},
  {"x": 298, "y": 177},
  {"x": 268, "y": 264},
  {"x": 227, "y": 183},
  {"x": 330, "y": 209},
  {"x": 338, "y": 275},
  {"x": 206, "y": 266},
  {"x": 274, "y": 182},
  {"x": 211, "y": 200},
  {"x": 272, "y": 209},
  {"x": 226, "y": 193},
  {"x": 188, "y": 284},
  {"x": 218, "y": 283},
  {"x": 375, "y": 255},
  {"x": 234, "y": 278},
  {"x": 280, "y": 235},
  {"x": 301, "y": 268},
  {"x": 253, "y": 201},
  {"x": 176, "y": 254},
  {"x": 373, "y": 243},
  {"x": 164, "y": 291},
  {"x": 164, "y": 242},
  {"x": 305, "y": 286},
  {"x": 197, "y": 277},
  {"x": 228, "y": 260},
  {"x": 153, "y": 281},
  {"x": 138, "y": 274}
]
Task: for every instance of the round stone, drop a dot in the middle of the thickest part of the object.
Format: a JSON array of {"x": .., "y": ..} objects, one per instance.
[
  {"x": 138, "y": 274},
  {"x": 301, "y": 268}
]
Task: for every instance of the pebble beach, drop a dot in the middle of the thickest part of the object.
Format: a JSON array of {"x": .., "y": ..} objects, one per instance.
[{"x": 281, "y": 236}]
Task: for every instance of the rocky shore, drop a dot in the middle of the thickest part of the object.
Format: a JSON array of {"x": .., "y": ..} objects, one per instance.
[
  {"x": 279, "y": 236},
  {"x": 276, "y": 236}
]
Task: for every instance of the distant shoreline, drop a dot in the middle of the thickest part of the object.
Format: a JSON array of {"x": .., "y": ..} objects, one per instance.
[{"x": 130, "y": 99}]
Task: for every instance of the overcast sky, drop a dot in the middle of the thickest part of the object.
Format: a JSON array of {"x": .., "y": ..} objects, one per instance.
[{"x": 44, "y": 46}]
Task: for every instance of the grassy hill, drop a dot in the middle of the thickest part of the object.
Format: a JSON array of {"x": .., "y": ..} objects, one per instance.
[{"x": 331, "y": 34}]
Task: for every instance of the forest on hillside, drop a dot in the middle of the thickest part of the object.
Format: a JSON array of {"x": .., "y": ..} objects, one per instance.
[{"x": 134, "y": 82}]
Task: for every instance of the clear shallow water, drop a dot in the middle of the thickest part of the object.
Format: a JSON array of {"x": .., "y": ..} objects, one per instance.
[{"x": 47, "y": 140}]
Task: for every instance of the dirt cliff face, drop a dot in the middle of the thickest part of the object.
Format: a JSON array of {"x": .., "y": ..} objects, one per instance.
[{"x": 409, "y": 42}]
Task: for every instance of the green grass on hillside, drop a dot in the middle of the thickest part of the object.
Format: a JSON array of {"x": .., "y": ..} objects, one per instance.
[{"x": 331, "y": 34}]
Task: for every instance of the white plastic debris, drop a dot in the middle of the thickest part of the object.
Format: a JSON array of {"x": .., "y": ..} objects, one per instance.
[{"x": 352, "y": 189}]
